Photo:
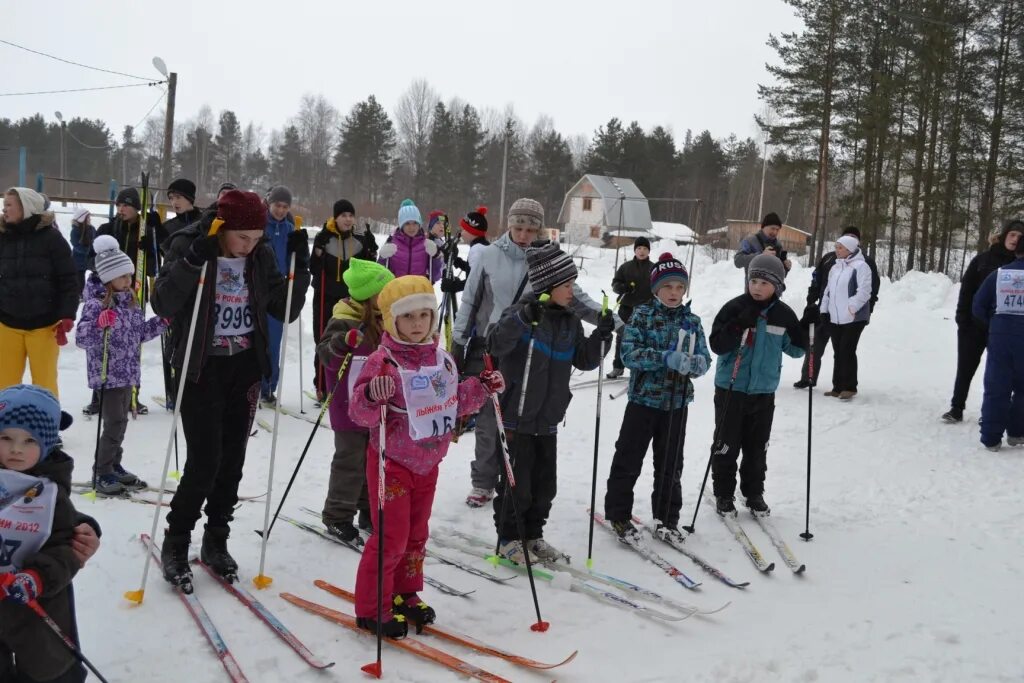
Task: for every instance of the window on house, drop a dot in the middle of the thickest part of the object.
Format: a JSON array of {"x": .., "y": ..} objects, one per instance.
[
  {"x": 586, "y": 203},
  {"x": 595, "y": 231}
]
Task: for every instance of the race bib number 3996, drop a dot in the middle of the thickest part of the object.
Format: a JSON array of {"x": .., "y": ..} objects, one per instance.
[{"x": 233, "y": 314}]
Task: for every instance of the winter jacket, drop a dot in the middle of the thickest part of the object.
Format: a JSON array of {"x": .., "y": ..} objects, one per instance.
[
  {"x": 175, "y": 291},
  {"x": 330, "y": 256},
  {"x": 181, "y": 220},
  {"x": 752, "y": 245},
  {"x": 46, "y": 657},
  {"x": 276, "y": 233},
  {"x": 411, "y": 257},
  {"x": 1005, "y": 319},
  {"x": 777, "y": 332},
  {"x": 81, "y": 242},
  {"x": 632, "y": 282},
  {"x": 558, "y": 345},
  {"x": 127, "y": 236},
  {"x": 977, "y": 272},
  {"x": 848, "y": 292},
  {"x": 819, "y": 280},
  {"x": 422, "y": 456},
  {"x": 492, "y": 287},
  {"x": 652, "y": 330},
  {"x": 39, "y": 283},
  {"x": 130, "y": 331},
  {"x": 476, "y": 251},
  {"x": 348, "y": 315}
]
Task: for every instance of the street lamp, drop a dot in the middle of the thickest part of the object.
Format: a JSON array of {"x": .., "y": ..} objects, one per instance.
[
  {"x": 172, "y": 85},
  {"x": 63, "y": 159}
]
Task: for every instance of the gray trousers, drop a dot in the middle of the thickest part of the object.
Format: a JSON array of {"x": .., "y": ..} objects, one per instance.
[
  {"x": 488, "y": 458},
  {"x": 346, "y": 490},
  {"x": 114, "y": 412}
]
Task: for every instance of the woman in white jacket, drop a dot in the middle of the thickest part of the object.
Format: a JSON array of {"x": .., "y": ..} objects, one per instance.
[{"x": 844, "y": 307}]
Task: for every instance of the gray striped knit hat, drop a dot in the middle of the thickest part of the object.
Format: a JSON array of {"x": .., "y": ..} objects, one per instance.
[{"x": 548, "y": 266}]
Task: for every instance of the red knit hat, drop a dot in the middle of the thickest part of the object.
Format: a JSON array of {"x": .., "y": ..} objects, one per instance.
[
  {"x": 475, "y": 222},
  {"x": 241, "y": 211}
]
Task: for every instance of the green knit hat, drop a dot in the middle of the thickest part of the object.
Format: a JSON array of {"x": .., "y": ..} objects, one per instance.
[{"x": 365, "y": 278}]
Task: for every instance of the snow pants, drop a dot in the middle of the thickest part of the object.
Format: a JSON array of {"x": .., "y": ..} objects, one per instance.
[
  {"x": 346, "y": 489},
  {"x": 746, "y": 426},
  {"x": 1002, "y": 408},
  {"x": 844, "y": 345},
  {"x": 971, "y": 340},
  {"x": 38, "y": 347},
  {"x": 114, "y": 410},
  {"x": 534, "y": 465},
  {"x": 641, "y": 424},
  {"x": 276, "y": 328},
  {"x": 408, "y": 499}
]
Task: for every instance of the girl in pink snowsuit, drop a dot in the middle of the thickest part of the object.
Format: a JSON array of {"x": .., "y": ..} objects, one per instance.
[{"x": 418, "y": 382}]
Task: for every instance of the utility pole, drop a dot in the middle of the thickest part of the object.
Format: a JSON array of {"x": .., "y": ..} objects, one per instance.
[
  {"x": 504, "y": 170},
  {"x": 63, "y": 158},
  {"x": 165, "y": 171}
]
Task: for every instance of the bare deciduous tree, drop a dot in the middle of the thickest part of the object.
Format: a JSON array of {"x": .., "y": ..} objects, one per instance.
[{"x": 413, "y": 118}]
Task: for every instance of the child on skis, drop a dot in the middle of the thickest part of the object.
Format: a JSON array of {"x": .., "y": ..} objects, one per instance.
[
  {"x": 410, "y": 250},
  {"x": 353, "y": 334},
  {"x": 112, "y": 329},
  {"x": 280, "y": 226},
  {"x": 663, "y": 345},
  {"x": 417, "y": 382},
  {"x": 38, "y": 562},
  {"x": 537, "y": 342},
  {"x": 750, "y": 334}
]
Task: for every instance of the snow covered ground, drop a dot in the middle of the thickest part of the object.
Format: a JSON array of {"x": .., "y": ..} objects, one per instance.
[{"x": 913, "y": 574}]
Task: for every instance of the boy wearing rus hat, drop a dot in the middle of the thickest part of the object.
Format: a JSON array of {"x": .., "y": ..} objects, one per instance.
[
  {"x": 750, "y": 334},
  {"x": 37, "y": 518},
  {"x": 537, "y": 342}
]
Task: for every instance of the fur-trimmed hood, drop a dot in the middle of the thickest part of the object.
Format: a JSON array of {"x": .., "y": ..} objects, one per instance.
[{"x": 37, "y": 222}]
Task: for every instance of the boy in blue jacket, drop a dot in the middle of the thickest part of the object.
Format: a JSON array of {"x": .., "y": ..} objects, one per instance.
[
  {"x": 663, "y": 346},
  {"x": 750, "y": 334},
  {"x": 280, "y": 224},
  {"x": 1000, "y": 304}
]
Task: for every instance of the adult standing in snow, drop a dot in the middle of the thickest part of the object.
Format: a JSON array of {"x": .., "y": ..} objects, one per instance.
[
  {"x": 39, "y": 290},
  {"x": 279, "y": 227},
  {"x": 971, "y": 334},
  {"x": 498, "y": 281},
  {"x": 230, "y": 353},
  {"x": 82, "y": 235},
  {"x": 632, "y": 282},
  {"x": 410, "y": 250},
  {"x": 812, "y": 312},
  {"x": 764, "y": 241},
  {"x": 999, "y": 303},
  {"x": 845, "y": 310}
]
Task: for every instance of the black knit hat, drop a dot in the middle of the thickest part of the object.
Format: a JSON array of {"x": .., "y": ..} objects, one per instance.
[
  {"x": 129, "y": 196},
  {"x": 852, "y": 230},
  {"x": 641, "y": 242},
  {"x": 548, "y": 266},
  {"x": 475, "y": 222},
  {"x": 771, "y": 219},
  {"x": 184, "y": 187},
  {"x": 343, "y": 206},
  {"x": 1011, "y": 226}
]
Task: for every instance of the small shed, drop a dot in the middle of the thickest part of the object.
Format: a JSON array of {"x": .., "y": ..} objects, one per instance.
[
  {"x": 676, "y": 232},
  {"x": 604, "y": 211},
  {"x": 734, "y": 231}
]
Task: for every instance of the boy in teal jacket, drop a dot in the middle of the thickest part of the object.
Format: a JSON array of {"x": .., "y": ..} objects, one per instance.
[{"x": 750, "y": 334}]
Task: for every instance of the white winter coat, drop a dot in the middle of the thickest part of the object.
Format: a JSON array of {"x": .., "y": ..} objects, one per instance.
[{"x": 849, "y": 290}]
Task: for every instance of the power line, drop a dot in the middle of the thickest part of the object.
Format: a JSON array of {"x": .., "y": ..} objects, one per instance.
[
  {"x": 68, "y": 61},
  {"x": 159, "y": 99},
  {"x": 104, "y": 87}
]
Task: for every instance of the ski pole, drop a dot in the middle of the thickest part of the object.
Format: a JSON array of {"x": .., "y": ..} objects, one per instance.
[
  {"x": 510, "y": 482},
  {"x": 68, "y": 642},
  {"x": 140, "y": 273},
  {"x": 323, "y": 411},
  {"x": 261, "y": 580},
  {"x": 138, "y": 595},
  {"x": 302, "y": 382},
  {"x": 91, "y": 495},
  {"x": 597, "y": 436},
  {"x": 670, "y": 475},
  {"x": 806, "y": 534},
  {"x": 715, "y": 446},
  {"x": 374, "y": 669}
]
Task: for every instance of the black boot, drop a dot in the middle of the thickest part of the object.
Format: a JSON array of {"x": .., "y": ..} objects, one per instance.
[
  {"x": 214, "y": 553},
  {"x": 174, "y": 559},
  {"x": 415, "y": 611},
  {"x": 345, "y": 532},
  {"x": 724, "y": 505},
  {"x": 758, "y": 506},
  {"x": 365, "y": 521},
  {"x": 395, "y": 628}
]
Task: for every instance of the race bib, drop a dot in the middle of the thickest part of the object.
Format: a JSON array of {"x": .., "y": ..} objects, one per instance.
[
  {"x": 1010, "y": 292},
  {"x": 232, "y": 313},
  {"x": 355, "y": 367},
  {"x": 431, "y": 398},
  {"x": 26, "y": 517}
]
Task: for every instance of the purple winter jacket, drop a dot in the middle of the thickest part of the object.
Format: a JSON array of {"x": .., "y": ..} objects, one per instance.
[
  {"x": 129, "y": 331},
  {"x": 411, "y": 258}
]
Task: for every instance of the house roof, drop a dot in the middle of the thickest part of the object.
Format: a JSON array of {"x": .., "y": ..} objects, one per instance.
[
  {"x": 676, "y": 232},
  {"x": 622, "y": 200}
]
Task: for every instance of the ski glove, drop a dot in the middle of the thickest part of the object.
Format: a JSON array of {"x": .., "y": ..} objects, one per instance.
[
  {"x": 812, "y": 315},
  {"x": 493, "y": 381},
  {"x": 60, "y": 331},
  {"x": 298, "y": 244},
  {"x": 677, "y": 360},
  {"x": 698, "y": 366},
  {"x": 452, "y": 285},
  {"x": 748, "y": 317},
  {"x": 606, "y": 326},
  {"x": 387, "y": 250},
  {"x": 430, "y": 246},
  {"x": 532, "y": 312},
  {"x": 107, "y": 318},
  {"x": 202, "y": 250},
  {"x": 353, "y": 338},
  {"x": 381, "y": 388},
  {"x": 23, "y": 587}
]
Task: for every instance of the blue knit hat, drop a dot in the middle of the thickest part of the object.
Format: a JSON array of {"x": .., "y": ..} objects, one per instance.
[
  {"x": 36, "y": 410},
  {"x": 408, "y": 212}
]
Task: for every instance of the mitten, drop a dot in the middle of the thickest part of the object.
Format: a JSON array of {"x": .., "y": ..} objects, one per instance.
[{"x": 387, "y": 250}]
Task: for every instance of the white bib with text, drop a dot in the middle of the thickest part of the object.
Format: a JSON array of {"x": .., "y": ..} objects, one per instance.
[
  {"x": 233, "y": 314},
  {"x": 26, "y": 517}
]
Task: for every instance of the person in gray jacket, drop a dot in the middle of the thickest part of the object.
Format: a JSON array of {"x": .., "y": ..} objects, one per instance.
[
  {"x": 497, "y": 282},
  {"x": 764, "y": 241}
]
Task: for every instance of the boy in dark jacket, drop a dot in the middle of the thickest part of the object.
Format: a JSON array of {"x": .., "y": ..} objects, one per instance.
[
  {"x": 537, "y": 342},
  {"x": 632, "y": 282},
  {"x": 750, "y": 334},
  {"x": 663, "y": 346},
  {"x": 182, "y": 195},
  {"x": 37, "y": 561}
]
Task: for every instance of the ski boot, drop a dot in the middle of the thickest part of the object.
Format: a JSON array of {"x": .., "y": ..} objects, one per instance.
[
  {"x": 365, "y": 521},
  {"x": 395, "y": 628},
  {"x": 415, "y": 611},
  {"x": 174, "y": 560},
  {"x": 626, "y": 532},
  {"x": 214, "y": 553},
  {"x": 757, "y": 505},
  {"x": 547, "y": 552},
  {"x": 109, "y": 485},
  {"x": 1014, "y": 440},
  {"x": 268, "y": 400},
  {"x": 92, "y": 409},
  {"x": 994, "y": 449},
  {"x": 803, "y": 384},
  {"x": 669, "y": 534},
  {"x": 615, "y": 373},
  {"x": 479, "y": 497},
  {"x": 953, "y": 416},
  {"x": 513, "y": 552},
  {"x": 724, "y": 505},
  {"x": 345, "y": 532},
  {"x": 141, "y": 408},
  {"x": 130, "y": 481}
]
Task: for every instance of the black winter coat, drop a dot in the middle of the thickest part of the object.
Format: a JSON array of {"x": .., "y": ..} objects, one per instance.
[
  {"x": 39, "y": 281},
  {"x": 40, "y": 654},
  {"x": 173, "y": 225},
  {"x": 174, "y": 296},
  {"x": 127, "y": 236},
  {"x": 978, "y": 269},
  {"x": 632, "y": 282},
  {"x": 332, "y": 251},
  {"x": 558, "y": 345},
  {"x": 819, "y": 280}
]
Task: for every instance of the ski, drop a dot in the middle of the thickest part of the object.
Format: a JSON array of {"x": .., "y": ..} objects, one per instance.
[
  {"x": 264, "y": 425},
  {"x": 651, "y": 556},
  {"x": 459, "y": 638},
  {"x": 268, "y": 618},
  {"x": 410, "y": 644},
  {"x": 617, "y": 394},
  {"x": 303, "y": 417},
  {"x": 586, "y": 384},
  {"x": 203, "y": 621},
  {"x": 698, "y": 560},
  {"x": 733, "y": 525},
  {"x": 776, "y": 538},
  {"x": 311, "y": 396},
  {"x": 442, "y": 587}
]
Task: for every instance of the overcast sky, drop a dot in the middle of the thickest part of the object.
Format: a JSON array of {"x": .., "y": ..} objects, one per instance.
[{"x": 682, "y": 64}]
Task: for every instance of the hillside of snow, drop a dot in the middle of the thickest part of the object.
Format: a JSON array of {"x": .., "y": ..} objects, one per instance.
[{"x": 913, "y": 573}]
